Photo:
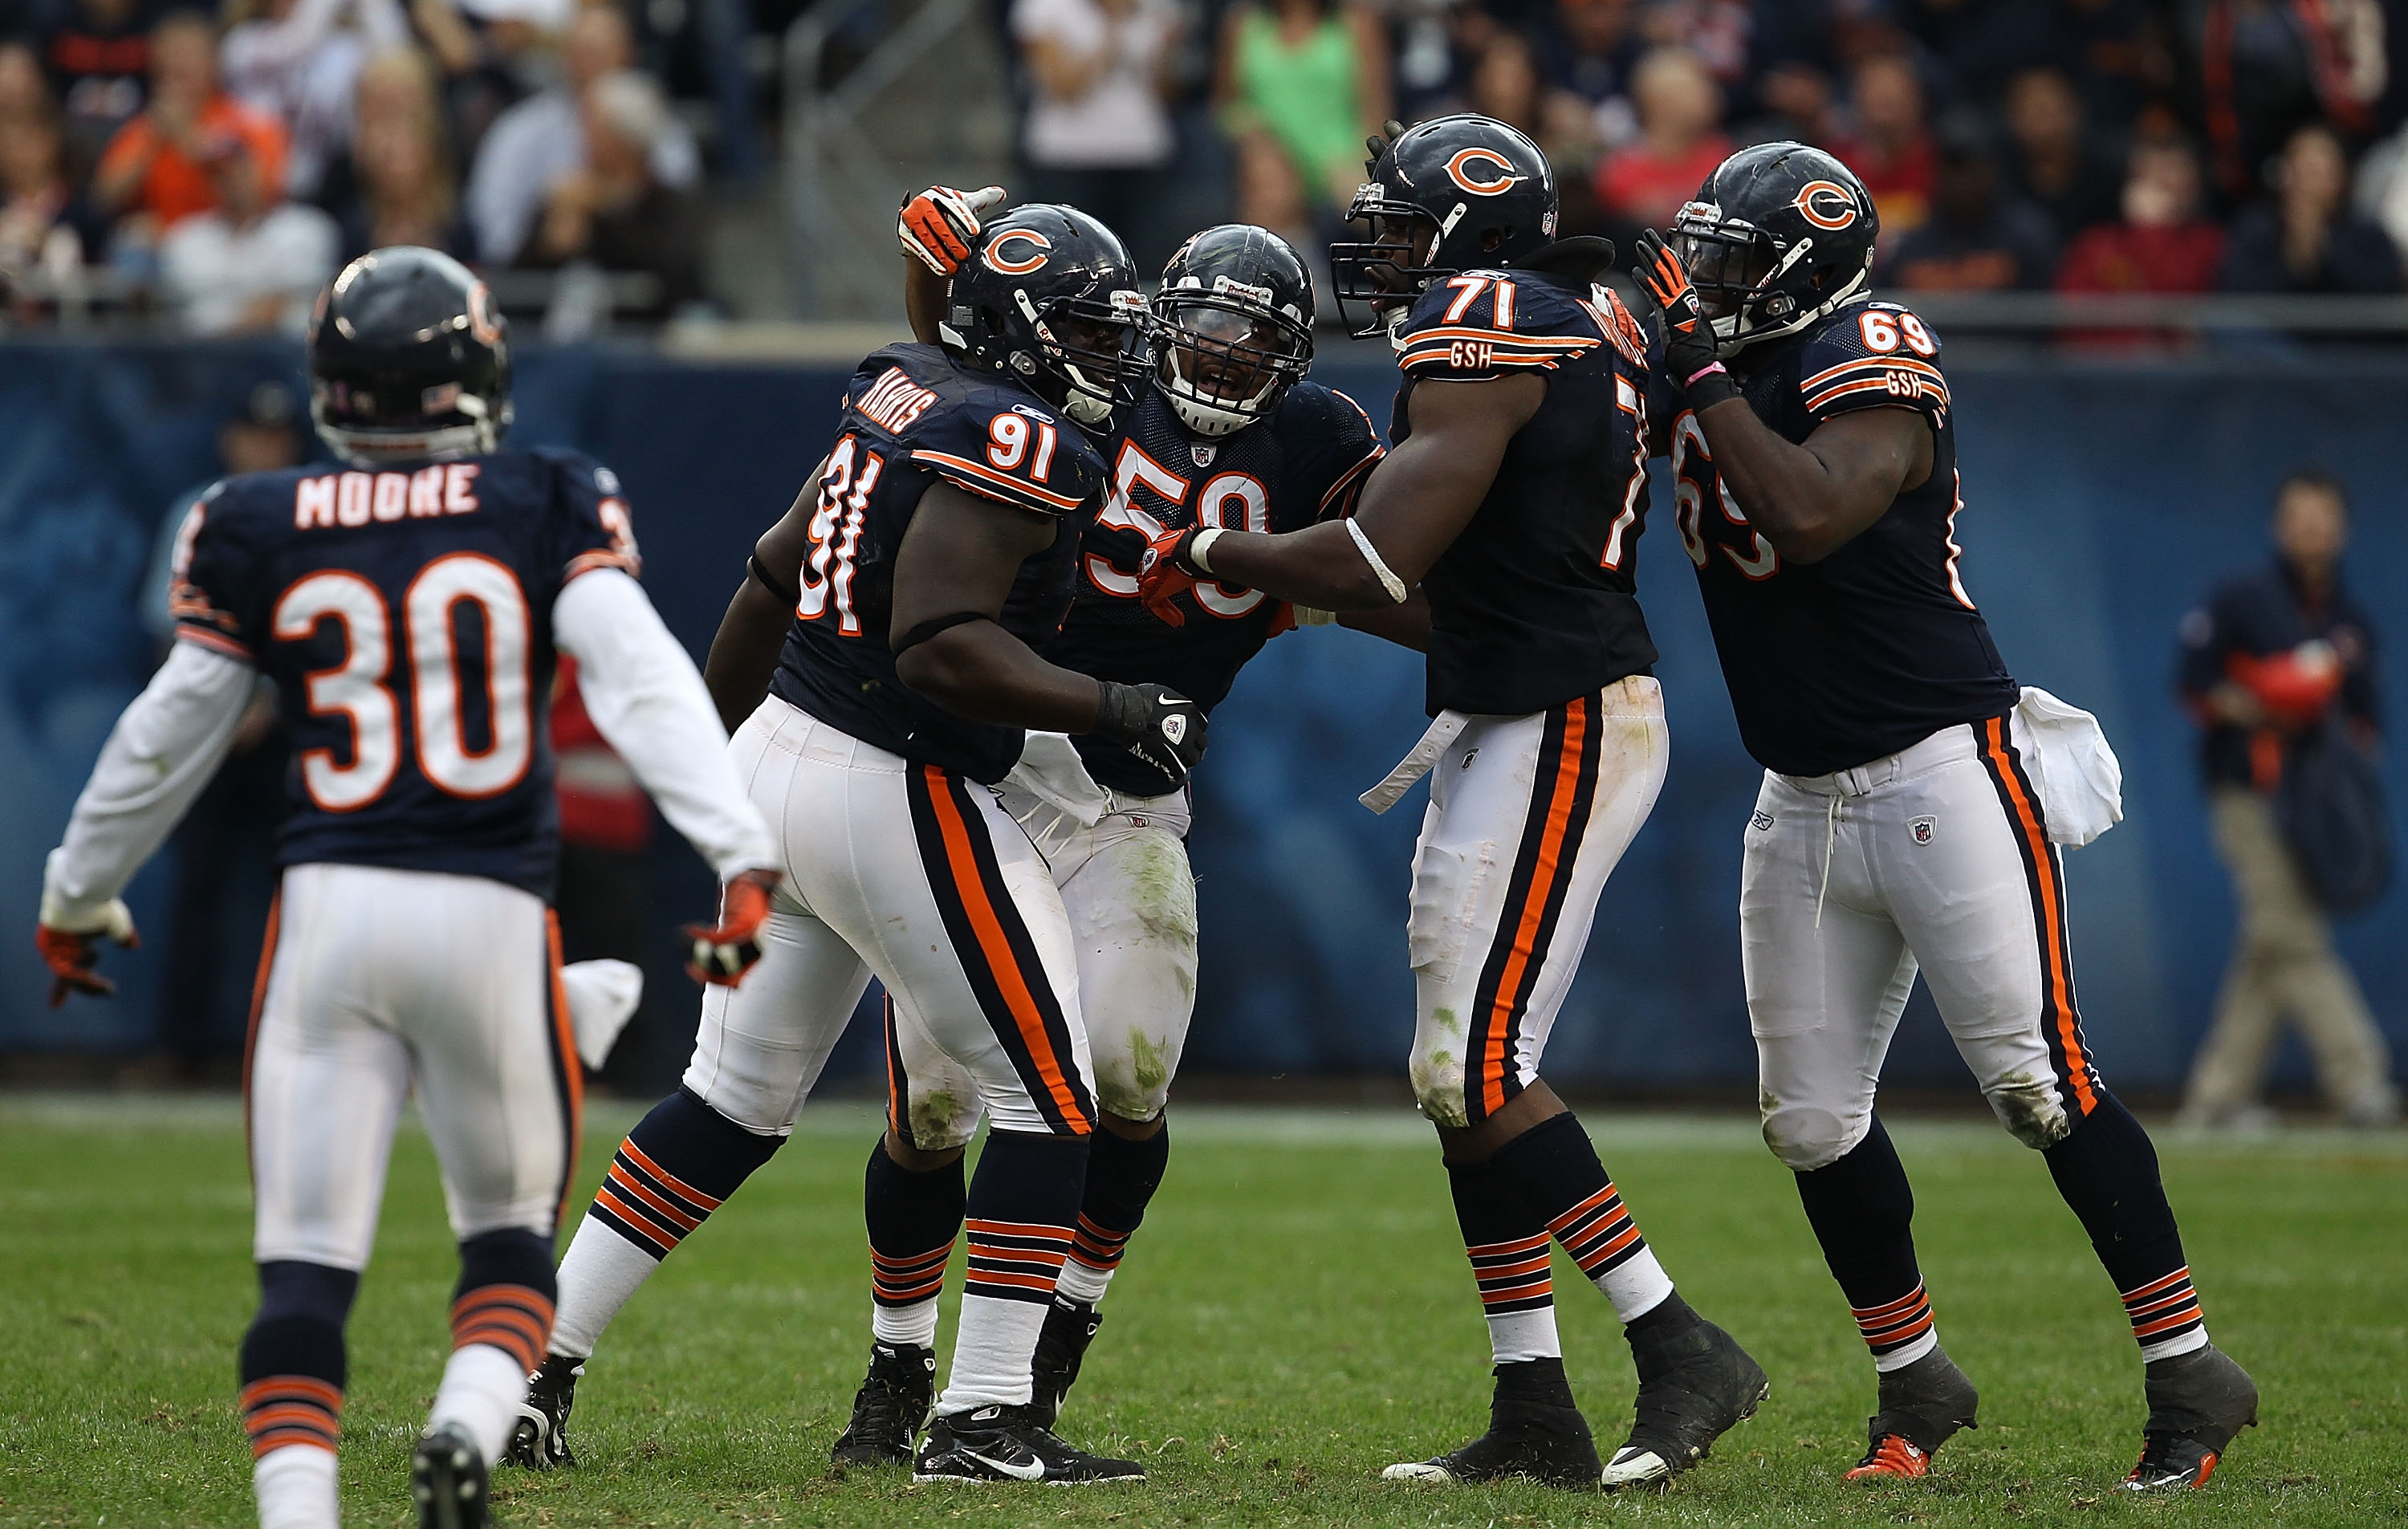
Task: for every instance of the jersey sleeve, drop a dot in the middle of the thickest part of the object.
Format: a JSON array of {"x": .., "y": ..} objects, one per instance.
[
  {"x": 1350, "y": 449},
  {"x": 1874, "y": 355},
  {"x": 210, "y": 591},
  {"x": 1014, "y": 453},
  {"x": 1485, "y": 325},
  {"x": 590, "y": 526}
]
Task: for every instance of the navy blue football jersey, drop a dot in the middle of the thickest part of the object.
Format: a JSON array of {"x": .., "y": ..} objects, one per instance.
[
  {"x": 910, "y": 419},
  {"x": 1834, "y": 664},
  {"x": 1302, "y": 464},
  {"x": 406, "y": 618},
  {"x": 1536, "y": 601}
]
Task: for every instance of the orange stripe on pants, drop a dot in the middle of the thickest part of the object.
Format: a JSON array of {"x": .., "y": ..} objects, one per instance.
[
  {"x": 2069, "y": 1033},
  {"x": 1518, "y": 964},
  {"x": 572, "y": 1070},
  {"x": 996, "y": 947}
]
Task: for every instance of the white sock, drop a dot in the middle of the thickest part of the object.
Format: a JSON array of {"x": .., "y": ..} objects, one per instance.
[
  {"x": 2175, "y": 1346},
  {"x": 1516, "y": 1338},
  {"x": 296, "y": 1487},
  {"x": 1905, "y": 1355},
  {"x": 1083, "y": 1282},
  {"x": 482, "y": 1387},
  {"x": 1636, "y": 1286},
  {"x": 599, "y": 1273},
  {"x": 992, "y": 1353},
  {"x": 914, "y": 1325}
]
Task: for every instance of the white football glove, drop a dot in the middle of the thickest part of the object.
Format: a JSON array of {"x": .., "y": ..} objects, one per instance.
[{"x": 940, "y": 226}]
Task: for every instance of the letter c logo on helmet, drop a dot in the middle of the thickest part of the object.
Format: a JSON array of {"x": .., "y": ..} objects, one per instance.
[
  {"x": 481, "y": 322},
  {"x": 1826, "y": 204},
  {"x": 1469, "y": 165},
  {"x": 998, "y": 260}
]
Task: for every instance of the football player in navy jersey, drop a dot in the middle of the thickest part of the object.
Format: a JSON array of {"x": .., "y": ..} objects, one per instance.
[
  {"x": 1513, "y": 495},
  {"x": 893, "y": 619},
  {"x": 1231, "y": 433},
  {"x": 408, "y": 603},
  {"x": 1915, "y": 800}
]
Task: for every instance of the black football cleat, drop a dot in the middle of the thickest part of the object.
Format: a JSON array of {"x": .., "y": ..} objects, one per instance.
[
  {"x": 1061, "y": 1348},
  {"x": 539, "y": 1439},
  {"x": 1009, "y": 1444},
  {"x": 2197, "y": 1402},
  {"x": 447, "y": 1481},
  {"x": 1922, "y": 1403},
  {"x": 1695, "y": 1384},
  {"x": 887, "y": 1410},
  {"x": 1534, "y": 1431}
]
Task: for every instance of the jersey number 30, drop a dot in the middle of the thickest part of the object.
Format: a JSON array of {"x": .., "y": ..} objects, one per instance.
[{"x": 358, "y": 688}]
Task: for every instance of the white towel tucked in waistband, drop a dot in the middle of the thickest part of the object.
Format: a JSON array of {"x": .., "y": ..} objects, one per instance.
[{"x": 1424, "y": 759}]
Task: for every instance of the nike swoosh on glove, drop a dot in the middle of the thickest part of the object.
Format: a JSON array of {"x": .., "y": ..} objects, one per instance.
[
  {"x": 722, "y": 956},
  {"x": 70, "y": 947},
  {"x": 940, "y": 226},
  {"x": 1690, "y": 356},
  {"x": 1165, "y": 573},
  {"x": 1155, "y": 722}
]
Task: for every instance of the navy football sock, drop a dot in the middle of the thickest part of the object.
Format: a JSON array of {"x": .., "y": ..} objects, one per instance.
[
  {"x": 1862, "y": 1210},
  {"x": 913, "y": 1220}
]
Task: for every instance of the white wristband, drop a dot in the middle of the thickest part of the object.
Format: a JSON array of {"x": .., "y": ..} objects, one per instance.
[
  {"x": 1202, "y": 544},
  {"x": 1388, "y": 580}
]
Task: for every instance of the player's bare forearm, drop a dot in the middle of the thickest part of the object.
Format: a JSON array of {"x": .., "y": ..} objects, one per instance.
[
  {"x": 952, "y": 573},
  {"x": 1415, "y": 503},
  {"x": 924, "y": 296},
  {"x": 1809, "y": 500},
  {"x": 745, "y": 653},
  {"x": 979, "y": 671},
  {"x": 1406, "y": 625}
]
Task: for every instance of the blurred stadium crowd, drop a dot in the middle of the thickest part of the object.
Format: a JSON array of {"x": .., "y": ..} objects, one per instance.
[{"x": 215, "y": 168}]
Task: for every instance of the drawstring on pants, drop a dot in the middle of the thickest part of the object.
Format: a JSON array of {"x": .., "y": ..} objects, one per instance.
[{"x": 1830, "y": 842}]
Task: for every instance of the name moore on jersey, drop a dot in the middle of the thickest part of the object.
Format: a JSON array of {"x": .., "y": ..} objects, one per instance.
[
  {"x": 1877, "y": 646},
  {"x": 912, "y": 419},
  {"x": 405, "y": 616}
]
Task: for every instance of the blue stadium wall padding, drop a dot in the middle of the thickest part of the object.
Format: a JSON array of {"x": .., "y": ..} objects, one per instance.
[{"x": 2100, "y": 503}]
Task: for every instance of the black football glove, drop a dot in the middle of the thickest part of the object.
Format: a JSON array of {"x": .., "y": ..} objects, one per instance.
[
  {"x": 1690, "y": 358},
  {"x": 1155, "y": 722}
]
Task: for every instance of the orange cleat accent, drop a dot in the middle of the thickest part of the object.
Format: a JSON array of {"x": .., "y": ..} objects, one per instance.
[{"x": 1893, "y": 1458}]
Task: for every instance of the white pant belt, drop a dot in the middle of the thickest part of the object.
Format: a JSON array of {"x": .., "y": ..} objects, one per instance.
[{"x": 1419, "y": 762}]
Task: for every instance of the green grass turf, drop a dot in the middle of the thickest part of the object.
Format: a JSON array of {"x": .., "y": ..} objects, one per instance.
[{"x": 1295, "y": 1315}]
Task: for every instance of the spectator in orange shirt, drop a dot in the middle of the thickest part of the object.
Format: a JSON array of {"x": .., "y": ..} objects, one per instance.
[
  {"x": 159, "y": 165},
  {"x": 1890, "y": 150},
  {"x": 1642, "y": 184}
]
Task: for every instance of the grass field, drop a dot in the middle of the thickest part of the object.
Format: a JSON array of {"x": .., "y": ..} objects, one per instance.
[{"x": 1294, "y": 1316}]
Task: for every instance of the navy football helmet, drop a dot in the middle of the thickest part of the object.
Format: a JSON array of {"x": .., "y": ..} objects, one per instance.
[
  {"x": 1779, "y": 236},
  {"x": 409, "y": 361},
  {"x": 1049, "y": 299},
  {"x": 1452, "y": 194},
  {"x": 1232, "y": 327}
]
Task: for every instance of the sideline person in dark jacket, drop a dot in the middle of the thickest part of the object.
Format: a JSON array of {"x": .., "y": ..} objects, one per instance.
[{"x": 2269, "y": 656}]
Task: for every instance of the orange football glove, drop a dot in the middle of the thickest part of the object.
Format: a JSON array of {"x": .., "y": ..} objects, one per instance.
[
  {"x": 71, "y": 948},
  {"x": 940, "y": 226},
  {"x": 722, "y": 956},
  {"x": 1165, "y": 573}
]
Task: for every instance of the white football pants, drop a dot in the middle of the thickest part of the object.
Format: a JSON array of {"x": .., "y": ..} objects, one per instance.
[
  {"x": 919, "y": 877},
  {"x": 1527, "y": 816},
  {"x": 1131, "y": 900},
  {"x": 1937, "y": 856},
  {"x": 376, "y": 979}
]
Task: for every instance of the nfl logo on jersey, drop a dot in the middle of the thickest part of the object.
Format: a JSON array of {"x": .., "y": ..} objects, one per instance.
[{"x": 1203, "y": 453}]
